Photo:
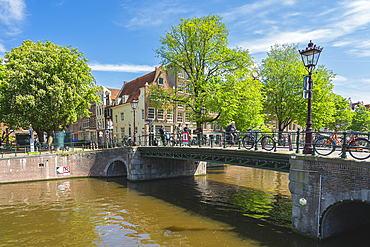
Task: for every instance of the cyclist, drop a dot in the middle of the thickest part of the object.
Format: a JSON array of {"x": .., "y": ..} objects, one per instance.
[{"x": 231, "y": 131}]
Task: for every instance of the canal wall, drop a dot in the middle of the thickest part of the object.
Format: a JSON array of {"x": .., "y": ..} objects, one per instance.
[
  {"x": 102, "y": 163},
  {"x": 329, "y": 195}
]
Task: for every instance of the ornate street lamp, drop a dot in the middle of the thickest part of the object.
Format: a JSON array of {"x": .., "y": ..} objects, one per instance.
[
  {"x": 203, "y": 111},
  {"x": 134, "y": 106},
  {"x": 310, "y": 57}
]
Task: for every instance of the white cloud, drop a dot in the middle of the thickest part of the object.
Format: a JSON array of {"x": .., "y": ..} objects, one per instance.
[
  {"x": 12, "y": 10},
  {"x": 346, "y": 18},
  {"x": 121, "y": 67},
  {"x": 338, "y": 80},
  {"x": 152, "y": 13},
  {"x": 2, "y": 48}
]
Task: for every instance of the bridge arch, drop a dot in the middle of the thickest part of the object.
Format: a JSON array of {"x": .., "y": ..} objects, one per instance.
[
  {"x": 343, "y": 215},
  {"x": 116, "y": 167}
]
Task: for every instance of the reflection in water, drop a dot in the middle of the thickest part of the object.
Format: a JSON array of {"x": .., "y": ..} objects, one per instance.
[{"x": 231, "y": 206}]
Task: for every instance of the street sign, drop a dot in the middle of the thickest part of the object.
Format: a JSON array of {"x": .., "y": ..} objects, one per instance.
[
  {"x": 185, "y": 137},
  {"x": 107, "y": 136},
  {"x": 66, "y": 170},
  {"x": 100, "y": 133},
  {"x": 110, "y": 124},
  {"x": 306, "y": 94},
  {"x": 306, "y": 84},
  {"x": 107, "y": 132}
]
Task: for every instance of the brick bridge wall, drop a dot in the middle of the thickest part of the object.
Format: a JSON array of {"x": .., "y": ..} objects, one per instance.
[
  {"x": 337, "y": 192},
  {"x": 111, "y": 162}
]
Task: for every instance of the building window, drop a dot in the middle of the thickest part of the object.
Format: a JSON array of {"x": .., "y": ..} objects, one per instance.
[
  {"x": 151, "y": 113},
  {"x": 180, "y": 74},
  {"x": 160, "y": 81},
  {"x": 169, "y": 115},
  {"x": 218, "y": 127},
  {"x": 160, "y": 114},
  {"x": 187, "y": 76},
  {"x": 116, "y": 119},
  {"x": 188, "y": 88},
  {"x": 180, "y": 87},
  {"x": 122, "y": 132},
  {"x": 122, "y": 116},
  {"x": 187, "y": 118},
  {"x": 180, "y": 117},
  {"x": 179, "y": 105},
  {"x": 204, "y": 126},
  {"x": 142, "y": 114}
]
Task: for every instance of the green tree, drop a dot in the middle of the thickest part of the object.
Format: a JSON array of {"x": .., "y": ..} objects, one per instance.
[
  {"x": 342, "y": 118},
  {"x": 45, "y": 85},
  {"x": 361, "y": 119},
  {"x": 282, "y": 74},
  {"x": 216, "y": 74}
]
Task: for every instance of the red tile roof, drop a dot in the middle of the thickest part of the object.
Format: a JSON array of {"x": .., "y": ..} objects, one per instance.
[
  {"x": 114, "y": 92},
  {"x": 132, "y": 88}
]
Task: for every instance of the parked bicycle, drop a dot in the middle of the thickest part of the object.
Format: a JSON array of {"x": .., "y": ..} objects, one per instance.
[
  {"x": 249, "y": 140},
  {"x": 358, "y": 147}
]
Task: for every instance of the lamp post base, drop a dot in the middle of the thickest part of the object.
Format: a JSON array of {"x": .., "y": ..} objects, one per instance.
[{"x": 308, "y": 148}]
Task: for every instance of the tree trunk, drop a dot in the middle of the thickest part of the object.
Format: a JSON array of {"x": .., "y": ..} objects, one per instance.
[
  {"x": 40, "y": 135},
  {"x": 50, "y": 137}
]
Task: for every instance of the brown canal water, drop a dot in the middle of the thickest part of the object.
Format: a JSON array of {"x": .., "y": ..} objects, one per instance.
[{"x": 231, "y": 206}]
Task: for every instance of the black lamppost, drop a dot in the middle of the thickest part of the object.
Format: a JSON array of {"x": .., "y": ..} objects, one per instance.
[
  {"x": 133, "y": 106},
  {"x": 203, "y": 111},
  {"x": 310, "y": 57}
]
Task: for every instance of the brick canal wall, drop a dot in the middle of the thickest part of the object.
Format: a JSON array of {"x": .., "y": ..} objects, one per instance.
[
  {"x": 336, "y": 192},
  {"x": 103, "y": 163}
]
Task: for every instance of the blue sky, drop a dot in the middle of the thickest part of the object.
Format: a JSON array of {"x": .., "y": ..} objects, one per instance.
[{"x": 119, "y": 38}]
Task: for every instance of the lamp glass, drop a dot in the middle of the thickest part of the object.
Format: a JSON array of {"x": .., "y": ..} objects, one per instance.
[{"x": 134, "y": 104}]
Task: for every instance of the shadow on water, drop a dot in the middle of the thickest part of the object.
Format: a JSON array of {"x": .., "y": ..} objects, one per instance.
[{"x": 252, "y": 214}]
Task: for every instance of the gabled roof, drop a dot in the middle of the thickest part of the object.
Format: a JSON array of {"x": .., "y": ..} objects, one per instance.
[
  {"x": 132, "y": 88},
  {"x": 114, "y": 93}
]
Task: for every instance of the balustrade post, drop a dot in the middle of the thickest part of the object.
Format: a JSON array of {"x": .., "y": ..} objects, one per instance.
[
  {"x": 297, "y": 140},
  {"x": 224, "y": 138},
  {"x": 256, "y": 141},
  {"x": 344, "y": 146}
]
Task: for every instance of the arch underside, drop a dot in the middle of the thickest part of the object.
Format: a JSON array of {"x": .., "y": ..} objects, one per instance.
[
  {"x": 116, "y": 168},
  {"x": 344, "y": 216}
]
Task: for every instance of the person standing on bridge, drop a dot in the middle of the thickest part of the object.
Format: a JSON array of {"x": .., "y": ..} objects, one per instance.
[{"x": 161, "y": 132}]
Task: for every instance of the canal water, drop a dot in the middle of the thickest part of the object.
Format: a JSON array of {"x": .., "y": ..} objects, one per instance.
[{"x": 231, "y": 206}]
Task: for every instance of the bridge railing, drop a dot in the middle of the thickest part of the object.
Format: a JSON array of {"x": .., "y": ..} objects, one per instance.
[{"x": 324, "y": 143}]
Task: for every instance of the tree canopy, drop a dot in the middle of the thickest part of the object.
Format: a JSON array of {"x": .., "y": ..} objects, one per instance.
[
  {"x": 45, "y": 85},
  {"x": 218, "y": 77},
  {"x": 342, "y": 118},
  {"x": 282, "y": 74},
  {"x": 360, "y": 119}
]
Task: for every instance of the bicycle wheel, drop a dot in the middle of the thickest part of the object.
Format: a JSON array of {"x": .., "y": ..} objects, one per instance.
[
  {"x": 248, "y": 141},
  {"x": 324, "y": 146},
  {"x": 267, "y": 143},
  {"x": 359, "y": 148}
]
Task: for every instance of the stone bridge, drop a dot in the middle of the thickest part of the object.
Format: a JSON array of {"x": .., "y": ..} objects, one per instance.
[{"x": 329, "y": 195}]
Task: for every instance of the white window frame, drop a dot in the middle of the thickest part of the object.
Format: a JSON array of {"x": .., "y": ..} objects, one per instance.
[
  {"x": 160, "y": 114},
  {"x": 180, "y": 117},
  {"x": 151, "y": 111},
  {"x": 187, "y": 119},
  {"x": 180, "y": 87},
  {"x": 122, "y": 116},
  {"x": 159, "y": 81},
  {"x": 180, "y": 74}
]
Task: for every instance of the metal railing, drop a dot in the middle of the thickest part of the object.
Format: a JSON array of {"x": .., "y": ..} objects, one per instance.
[{"x": 357, "y": 144}]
